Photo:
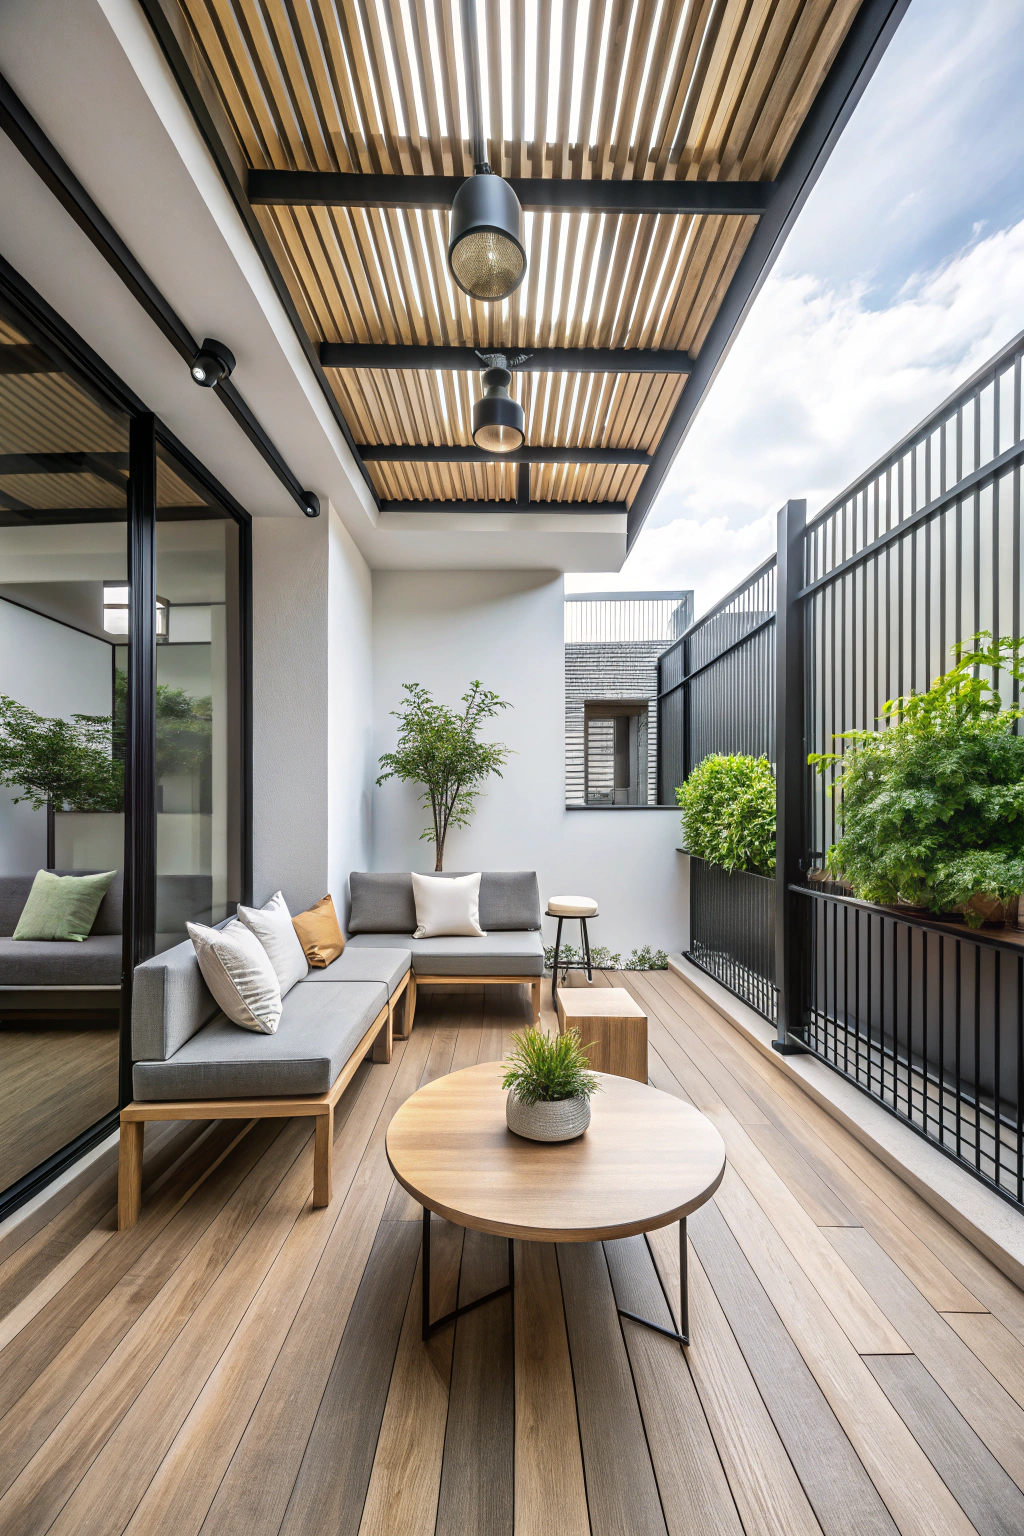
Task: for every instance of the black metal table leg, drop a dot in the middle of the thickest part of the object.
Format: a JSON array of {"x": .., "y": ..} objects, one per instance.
[
  {"x": 683, "y": 1336},
  {"x": 585, "y": 941},
  {"x": 554, "y": 964},
  {"x": 430, "y": 1328}
]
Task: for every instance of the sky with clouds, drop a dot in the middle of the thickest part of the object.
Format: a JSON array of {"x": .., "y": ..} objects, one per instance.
[{"x": 903, "y": 274}]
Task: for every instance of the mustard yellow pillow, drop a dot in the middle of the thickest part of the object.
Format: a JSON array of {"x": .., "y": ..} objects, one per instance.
[{"x": 319, "y": 933}]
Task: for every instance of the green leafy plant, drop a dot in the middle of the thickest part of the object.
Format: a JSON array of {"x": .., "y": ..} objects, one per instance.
[
  {"x": 931, "y": 807},
  {"x": 543, "y": 1068},
  {"x": 572, "y": 959},
  {"x": 728, "y": 806},
  {"x": 64, "y": 762},
  {"x": 439, "y": 748}
]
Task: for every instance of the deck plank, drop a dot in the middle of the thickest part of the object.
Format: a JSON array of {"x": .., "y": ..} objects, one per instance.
[
  {"x": 240, "y": 1363},
  {"x": 622, "y": 1490},
  {"x": 477, "y": 1488}
]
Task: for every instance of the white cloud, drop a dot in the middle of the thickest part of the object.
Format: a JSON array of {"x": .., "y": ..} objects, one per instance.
[{"x": 818, "y": 386}]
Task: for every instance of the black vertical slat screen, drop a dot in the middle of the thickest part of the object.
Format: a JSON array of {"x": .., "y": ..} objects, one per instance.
[{"x": 924, "y": 550}]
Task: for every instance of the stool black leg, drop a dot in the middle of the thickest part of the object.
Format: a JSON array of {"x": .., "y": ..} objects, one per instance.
[
  {"x": 585, "y": 940},
  {"x": 554, "y": 965}
]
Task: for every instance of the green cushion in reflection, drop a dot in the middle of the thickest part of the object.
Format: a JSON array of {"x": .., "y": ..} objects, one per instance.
[{"x": 62, "y": 906}]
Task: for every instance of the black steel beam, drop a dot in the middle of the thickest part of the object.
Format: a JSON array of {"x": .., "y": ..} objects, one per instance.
[
  {"x": 869, "y": 35},
  {"x": 110, "y": 467},
  {"x": 23, "y": 357},
  {"x": 338, "y": 354},
  {"x": 536, "y": 194},
  {"x": 403, "y": 453},
  {"x": 27, "y": 136},
  {"x": 576, "y": 507}
]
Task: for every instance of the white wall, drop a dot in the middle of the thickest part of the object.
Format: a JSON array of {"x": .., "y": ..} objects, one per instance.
[
  {"x": 311, "y": 709},
  {"x": 443, "y": 629},
  {"x": 56, "y": 671}
]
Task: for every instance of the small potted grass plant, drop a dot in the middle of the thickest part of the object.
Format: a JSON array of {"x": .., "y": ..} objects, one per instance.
[{"x": 550, "y": 1085}]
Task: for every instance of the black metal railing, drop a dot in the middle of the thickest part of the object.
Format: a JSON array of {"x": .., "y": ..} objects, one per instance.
[
  {"x": 869, "y": 596},
  {"x": 928, "y": 1018},
  {"x": 732, "y": 931},
  {"x": 715, "y": 684}
]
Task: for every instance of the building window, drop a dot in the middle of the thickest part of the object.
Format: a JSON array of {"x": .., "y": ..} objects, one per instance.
[{"x": 615, "y": 757}]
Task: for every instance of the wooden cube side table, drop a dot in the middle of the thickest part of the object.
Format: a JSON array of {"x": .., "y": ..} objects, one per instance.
[{"x": 615, "y": 1023}]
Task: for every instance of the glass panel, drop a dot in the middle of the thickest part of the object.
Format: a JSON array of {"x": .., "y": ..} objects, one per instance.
[
  {"x": 198, "y": 707},
  {"x": 63, "y": 496}
]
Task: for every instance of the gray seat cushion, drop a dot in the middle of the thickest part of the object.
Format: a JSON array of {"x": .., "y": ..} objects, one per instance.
[
  {"x": 383, "y": 903},
  {"x": 499, "y": 954},
  {"x": 96, "y": 962},
  {"x": 379, "y": 964},
  {"x": 319, "y": 1029}
]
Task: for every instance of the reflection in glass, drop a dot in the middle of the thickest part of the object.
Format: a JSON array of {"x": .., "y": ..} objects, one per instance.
[
  {"x": 63, "y": 490},
  {"x": 198, "y": 714}
]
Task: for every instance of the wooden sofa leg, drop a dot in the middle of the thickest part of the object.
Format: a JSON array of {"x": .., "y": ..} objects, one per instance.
[
  {"x": 408, "y": 1008},
  {"x": 382, "y": 1044},
  {"x": 129, "y": 1173},
  {"x": 535, "y": 987},
  {"x": 323, "y": 1147}
]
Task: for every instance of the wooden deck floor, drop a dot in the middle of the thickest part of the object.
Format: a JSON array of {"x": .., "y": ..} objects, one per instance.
[{"x": 240, "y": 1363}]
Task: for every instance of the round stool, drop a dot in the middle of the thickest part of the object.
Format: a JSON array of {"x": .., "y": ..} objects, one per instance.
[{"x": 580, "y": 907}]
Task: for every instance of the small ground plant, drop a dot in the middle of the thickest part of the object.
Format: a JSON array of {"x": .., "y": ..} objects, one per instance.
[
  {"x": 572, "y": 959},
  {"x": 728, "y": 806},
  {"x": 545, "y": 1069}
]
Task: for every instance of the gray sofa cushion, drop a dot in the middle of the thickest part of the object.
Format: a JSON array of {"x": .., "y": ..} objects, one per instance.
[
  {"x": 319, "y": 1029},
  {"x": 14, "y": 891},
  {"x": 356, "y": 964},
  {"x": 383, "y": 903},
  {"x": 499, "y": 954},
  {"x": 170, "y": 1002},
  {"x": 96, "y": 962}
]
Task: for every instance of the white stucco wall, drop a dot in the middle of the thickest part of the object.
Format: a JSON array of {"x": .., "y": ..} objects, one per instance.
[
  {"x": 56, "y": 671},
  {"x": 311, "y": 709},
  {"x": 443, "y": 629}
]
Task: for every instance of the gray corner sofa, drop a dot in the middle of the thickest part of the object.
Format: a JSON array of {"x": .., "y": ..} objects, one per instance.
[
  {"x": 190, "y": 1062},
  {"x": 50, "y": 974},
  {"x": 383, "y": 915}
]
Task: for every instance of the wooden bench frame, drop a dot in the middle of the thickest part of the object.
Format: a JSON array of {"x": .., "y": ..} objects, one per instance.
[
  {"x": 533, "y": 982},
  {"x": 376, "y": 1042}
]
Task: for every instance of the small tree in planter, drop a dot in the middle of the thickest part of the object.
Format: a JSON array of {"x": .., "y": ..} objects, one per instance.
[
  {"x": 728, "y": 806},
  {"x": 439, "y": 748},
  {"x": 931, "y": 808}
]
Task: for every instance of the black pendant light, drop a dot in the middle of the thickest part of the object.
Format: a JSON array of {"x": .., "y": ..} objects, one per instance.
[
  {"x": 486, "y": 249},
  {"x": 499, "y": 422}
]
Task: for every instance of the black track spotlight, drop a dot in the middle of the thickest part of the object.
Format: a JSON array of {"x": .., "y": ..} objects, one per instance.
[
  {"x": 499, "y": 422},
  {"x": 310, "y": 504},
  {"x": 486, "y": 250},
  {"x": 212, "y": 364}
]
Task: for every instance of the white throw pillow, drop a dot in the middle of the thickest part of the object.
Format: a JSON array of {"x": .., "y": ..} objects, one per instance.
[
  {"x": 272, "y": 925},
  {"x": 447, "y": 907},
  {"x": 238, "y": 972}
]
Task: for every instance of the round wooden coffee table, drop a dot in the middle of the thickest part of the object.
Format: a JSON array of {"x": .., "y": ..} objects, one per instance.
[{"x": 646, "y": 1160}]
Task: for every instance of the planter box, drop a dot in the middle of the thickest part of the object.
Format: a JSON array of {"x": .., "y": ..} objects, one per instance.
[{"x": 732, "y": 931}]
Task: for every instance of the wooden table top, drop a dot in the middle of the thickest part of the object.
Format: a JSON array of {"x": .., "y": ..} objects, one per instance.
[
  {"x": 646, "y": 1160},
  {"x": 597, "y": 1002}
]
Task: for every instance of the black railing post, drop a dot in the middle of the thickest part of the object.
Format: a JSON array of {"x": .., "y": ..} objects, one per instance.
[{"x": 790, "y": 773}]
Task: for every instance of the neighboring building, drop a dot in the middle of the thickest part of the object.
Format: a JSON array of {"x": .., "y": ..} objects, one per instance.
[{"x": 612, "y": 644}]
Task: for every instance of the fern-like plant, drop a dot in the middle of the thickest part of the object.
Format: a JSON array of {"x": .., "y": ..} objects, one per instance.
[{"x": 545, "y": 1069}]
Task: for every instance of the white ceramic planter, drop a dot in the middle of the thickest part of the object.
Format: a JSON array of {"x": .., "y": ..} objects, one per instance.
[{"x": 561, "y": 1120}]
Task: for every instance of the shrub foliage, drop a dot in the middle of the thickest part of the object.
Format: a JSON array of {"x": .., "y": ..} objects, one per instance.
[
  {"x": 931, "y": 807},
  {"x": 728, "y": 806}
]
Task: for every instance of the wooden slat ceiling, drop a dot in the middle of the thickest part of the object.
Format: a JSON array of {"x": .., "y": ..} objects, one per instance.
[{"x": 648, "y": 89}]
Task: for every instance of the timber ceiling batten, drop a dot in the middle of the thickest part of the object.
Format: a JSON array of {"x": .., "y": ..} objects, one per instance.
[{"x": 672, "y": 95}]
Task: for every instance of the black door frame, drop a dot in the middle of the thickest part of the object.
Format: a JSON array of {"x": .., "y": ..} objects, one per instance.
[{"x": 147, "y": 434}]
